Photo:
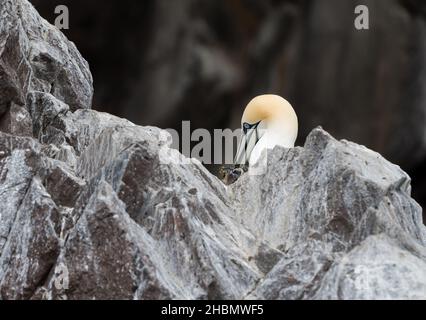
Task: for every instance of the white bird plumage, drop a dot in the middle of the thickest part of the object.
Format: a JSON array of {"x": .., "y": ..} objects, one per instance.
[{"x": 268, "y": 121}]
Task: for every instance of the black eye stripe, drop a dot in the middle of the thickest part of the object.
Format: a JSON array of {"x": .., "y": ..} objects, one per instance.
[{"x": 248, "y": 126}]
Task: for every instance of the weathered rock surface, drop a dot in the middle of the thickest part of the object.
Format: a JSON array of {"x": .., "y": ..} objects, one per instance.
[
  {"x": 95, "y": 207},
  {"x": 35, "y": 56},
  {"x": 340, "y": 215}
]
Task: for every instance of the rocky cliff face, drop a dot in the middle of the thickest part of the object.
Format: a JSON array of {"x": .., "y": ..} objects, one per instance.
[
  {"x": 93, "y": 206},
  {"x": 159, "y": 61}
]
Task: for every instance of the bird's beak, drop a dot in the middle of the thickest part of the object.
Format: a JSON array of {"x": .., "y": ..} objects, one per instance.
[{"x": 246, "y": 146}]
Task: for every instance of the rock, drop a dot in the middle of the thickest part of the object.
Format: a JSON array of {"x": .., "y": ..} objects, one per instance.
[
  {"x": 329, "y": 185},
  {"x": 29, "y": 220},
  {"x": 180, "y": 214},
  {"x": 16, "y": 177},
  {"x": 141, "y": 228},
  {"x": 35, "y": 56},
  {"x": 106, "y": 249},
  {"x": 334, "y": 205},
  {"x": 298, "y": 272},
  {"x": 379, "y": 268},
  {"x": 32, "y": 245},
  {"x": 95, "y": 207},
  {"x": 16, "y": 121},
  {"x": 60, "y": 182}
]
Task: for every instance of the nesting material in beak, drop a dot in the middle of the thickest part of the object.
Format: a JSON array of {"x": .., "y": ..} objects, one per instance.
[{"x": 230, "y": 174}]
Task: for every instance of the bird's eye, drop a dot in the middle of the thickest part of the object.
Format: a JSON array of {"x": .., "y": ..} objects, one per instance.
[{"x": 246, "y": 126}]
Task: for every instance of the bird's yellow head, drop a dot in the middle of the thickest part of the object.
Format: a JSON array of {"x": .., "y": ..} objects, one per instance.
[
  {"x": 266, "y": 113},
  {"x": 267, "y": 107}
]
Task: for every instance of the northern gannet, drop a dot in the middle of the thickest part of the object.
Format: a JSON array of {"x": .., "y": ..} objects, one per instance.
[{"x": 268, "y": 121}]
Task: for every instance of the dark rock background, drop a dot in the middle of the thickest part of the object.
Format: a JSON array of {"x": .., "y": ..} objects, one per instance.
[{"x": 160, "y": 62}]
